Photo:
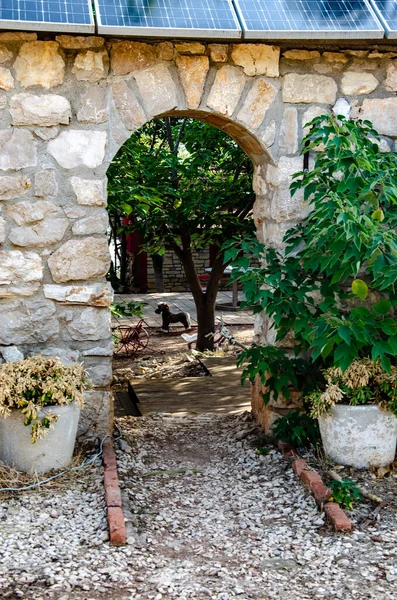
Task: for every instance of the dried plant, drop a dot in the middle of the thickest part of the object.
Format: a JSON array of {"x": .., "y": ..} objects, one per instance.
[
  {"x": 37, "y": 382},
  {"x": 363, "y": 382}
]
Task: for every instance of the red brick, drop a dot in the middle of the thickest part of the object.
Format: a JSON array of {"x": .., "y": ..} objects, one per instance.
[
  {"x": 337, "y": 517},
  {"x": 117, "y": 531},
  {"x": 299, "y": 465},
  {"x": 113, "y": 496},
  {"x": 108, "y": 455},
  {"x": 287, "y": 450},
  {"x": 307, "y": 478},
  {"x": 321, "y": 492}
]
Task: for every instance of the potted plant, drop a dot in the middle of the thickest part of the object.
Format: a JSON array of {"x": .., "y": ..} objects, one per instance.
[
  {"x": 40, "y": 400},
  {"x": 329, "y": 294}
]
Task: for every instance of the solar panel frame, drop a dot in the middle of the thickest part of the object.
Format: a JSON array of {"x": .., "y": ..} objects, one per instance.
[
  {"x": 43, "y": 7},
  {"x": 381, "y": 13},
  {"x": 255, "y": 34},
  {"x": 169, "y": 32}
]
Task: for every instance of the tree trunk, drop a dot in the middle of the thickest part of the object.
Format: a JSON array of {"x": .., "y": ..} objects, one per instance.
[
  {"x": 158, "y": 261},
  {"x": 206, "y": 324}
]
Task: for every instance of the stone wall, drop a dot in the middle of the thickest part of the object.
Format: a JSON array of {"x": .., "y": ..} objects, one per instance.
[{"x": 67, "y": 103}]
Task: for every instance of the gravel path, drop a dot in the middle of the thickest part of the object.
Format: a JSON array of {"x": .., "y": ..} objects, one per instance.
[{"x": 207, "y": 518}]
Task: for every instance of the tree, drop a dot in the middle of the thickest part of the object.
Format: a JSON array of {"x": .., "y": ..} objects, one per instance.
[{"x": 187, "y": 185}]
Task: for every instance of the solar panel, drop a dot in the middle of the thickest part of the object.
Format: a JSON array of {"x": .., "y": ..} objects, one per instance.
[
  {"x": 309, "y": 19},
  {"x": 386, "y": 10},
  {"x": 166, "y": 18},
  {"x": 47, "y": 15}
]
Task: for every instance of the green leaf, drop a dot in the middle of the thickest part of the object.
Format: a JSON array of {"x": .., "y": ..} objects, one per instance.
[
  {"x": 360, "y": 288},
  {"x": 382, "y": 307}
]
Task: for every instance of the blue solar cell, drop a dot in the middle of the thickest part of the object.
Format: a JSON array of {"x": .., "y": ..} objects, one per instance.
[
  {"x": 50, "y": 15},
  {"x": 189, "y": 18},
  {"x": 308, "y": 19},
  {"x": 387, "y": 13}
]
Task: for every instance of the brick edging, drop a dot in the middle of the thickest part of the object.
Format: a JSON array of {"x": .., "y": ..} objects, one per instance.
[
  {"x": 322, "y": 494},
  {"x": 117, "y": 531}
]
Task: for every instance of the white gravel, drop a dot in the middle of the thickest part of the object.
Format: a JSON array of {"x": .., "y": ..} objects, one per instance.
[{"x": 223, "y": 523}]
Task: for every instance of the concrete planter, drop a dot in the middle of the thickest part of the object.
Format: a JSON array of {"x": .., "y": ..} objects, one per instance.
[
  {"x": 53, "y": 451},
  {"x": 359, "y": 436}
]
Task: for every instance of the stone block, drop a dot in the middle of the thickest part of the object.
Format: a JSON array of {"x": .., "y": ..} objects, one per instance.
[
  {"x": 96, "y": 222},
  {"x": 307, "y": 89},
  {"x": 79, "y": 260},
  {"x": 17, "y": 36},
  {"x": 67, "y": 356},
  {"x": 89, "y": 192},
  {"x": 28, "y": 213},
  {"x": 190, "y": 48},
  {"x": 32, "y": 321},
  {"x": 45, "y": 111},
  {"x": 78, "y": 42},
  {"x": 103, "y": 350},
  {"x": 165, "y": 50},
  {"x": 45, "y": 133},
  {"x": 45, "y": 184},
  {"x": 157, "y": 89},
  {"x": 130, "y": 111},
  {"x": 193, "y": 73},
  {"x": 269, "y": 134},
  {"x": 335, "y": 57},
  {"x": 128, "y": 57},
  {"x": 6, "y": 80},
  {"x": 39, "y": 63},
  {"x": 289, "y": 132},
  {"x": 382, "y": 113},
  {"x": 11, "y": 353},
  {"x": 45, "y": 233},
  {"x": 84, "y": 324},
  {"x": 391, "y": 76},
  {"x": 74, "y": 212},
  {"x": 18, "y": 269},
  {"x": 3, "y": 100},
  {"x": 258, "y": 100},
  {"x": 18, "y": 149},
  {"x": 283, "y": 206},
  {"x": 301, "y": 54},
  {"x": 12, "y": 187},
  {"x": 93, "y": 106},
  {"x": 6, "y": 55},
  {"x": 310, "y": 114},
  {"x": 219, "y": 52},
  {"x": 353, "y": 83},
  {"x": 100, "y": 375},
  {"x": 91, "y": 66},
  {"x": 96, "y": 417},
  {"x": 97, "y": 294},
  {"x": 257, "y": 59},
  {"x": 3, "y": 230},
  {"x": 342, "y": 107},
  {"x": 226, "y": 90},
  {"x": 339, "y": 520},
  {"x": 78, "y": 148}
]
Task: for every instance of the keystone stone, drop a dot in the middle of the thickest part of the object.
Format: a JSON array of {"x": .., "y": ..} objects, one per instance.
[
  {"x": 193, "y": 73},
  {"x": 157, "y": 89}
]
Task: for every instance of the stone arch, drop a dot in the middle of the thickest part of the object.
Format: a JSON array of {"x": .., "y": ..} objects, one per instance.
[{"x": 67, "y": 104}]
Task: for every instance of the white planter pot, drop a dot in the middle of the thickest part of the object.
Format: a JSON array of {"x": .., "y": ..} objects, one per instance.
[
  {"x": 53, "y": 451},
  {"x": 359, "y": 436}
]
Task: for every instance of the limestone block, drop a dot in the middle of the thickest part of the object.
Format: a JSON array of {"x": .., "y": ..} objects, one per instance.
[
  {"x": 78, "y": 148},
  {"x": 269, "y": 135},
  {"x": 289, "y": 131},
  {"x": 6, "y": 55},
  {"x": 11, "y": 353},
  {"x": 342, "y": 107},
  {"x": 89, "y": 192},
  {"x": 3, "y": 232},
  {"x": 87, "y": 323},
  {"x": 39, "y": 63},
  {"x": 190, "y": 48},
  {"x": 79, "y": 260},
  {"x": 130, "y": 111},
  {"x": 335, "y": 57},
  {"x": 45, "y": 111},
  {"x": 33, "y": 321},
  {"x": 45, "y": 184},
  {"x": 307, "y": 89},
  {"x": 3, "y": 100},
  {"x": 165, "y": 50},
  {"x": 103, "y": 350},
  {"x": 74, "y": 212},
  {"x": 6, "y": 80},
  {"x": 17, "y": 149},
  {"x": 100, "y": 375},
  {"x": 17, "y": 36},
  {"x": 358, "y": 83},
  {"x": 283, "y": 206},
  {"x": 78, "y": 42},
  {"x": 96, "y": 222},
  {"x": 257, "y": 59},
  {"x": 325, "y": 68},
  {"x": 219, "y": 52},
  {"x": 45, "y": 233},
  {"x": 96, "y": 417},
  {"x": 67, "y": 356},
  {"x": 301, "y": 54},
  {"x": 45, "y": 133},
  {"x": 91, "y": 66},
  {"x": 93, "y": 106},
  {"x": 193, "y": 73},
  {"x": 258, "y": 100},
  {"x": 310, "y": 114},
  {"x": 13, "y": 187},
  {"x": 17, "y": 268},
  {"x": 382, "y": 55},
  {"x": 97, "y": 294},
  {"x": 28, "y": 213},
  {"x": 157, "y": 89},
  {"x": 382, "y": 113},
  {"x": 226, "y": 90},
  {"x": 128, "y": 57},
  {"x": 391, "y": 76}
]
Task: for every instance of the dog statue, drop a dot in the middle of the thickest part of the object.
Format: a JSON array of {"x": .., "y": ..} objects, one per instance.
[{"x": 163, "y": 309}]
